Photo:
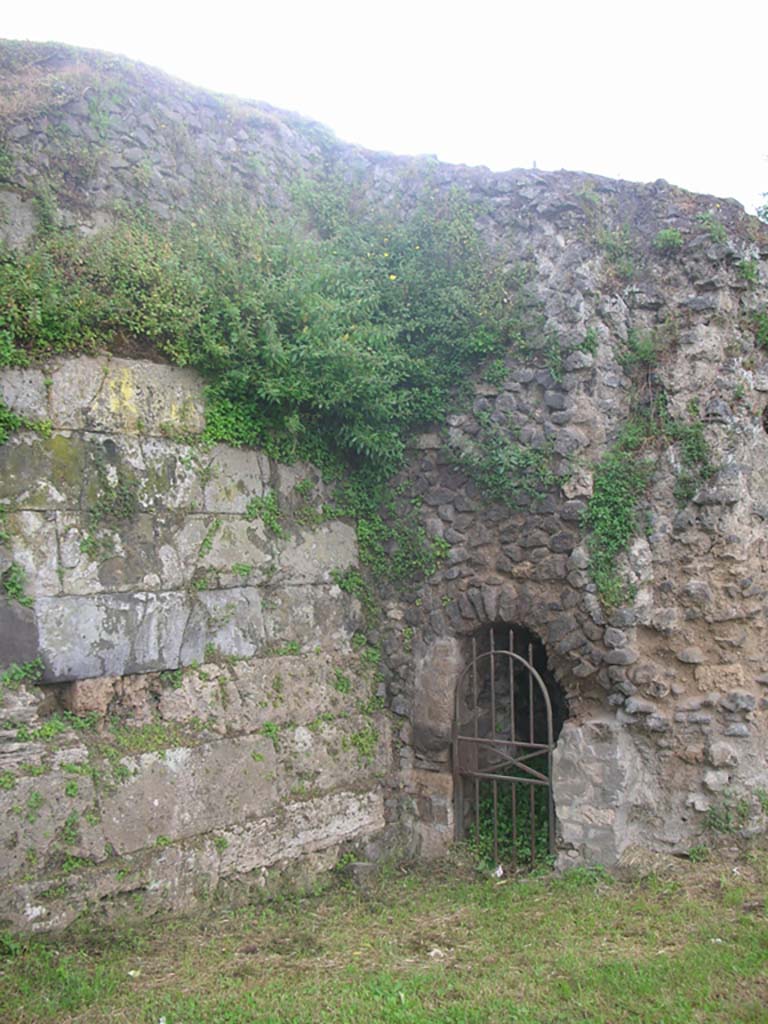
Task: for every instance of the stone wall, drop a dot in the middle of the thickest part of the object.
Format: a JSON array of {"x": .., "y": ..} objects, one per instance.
[
  {"x": 202, "y": 715},
  {"x": 667, "y": 693},
  {"x": 226, "y": 722}
]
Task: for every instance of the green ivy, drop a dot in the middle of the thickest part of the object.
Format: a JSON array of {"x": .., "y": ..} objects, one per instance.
[
  {"x": 505, "y": 469},
  {"x": 621, "y": 479},
  {"x": 267, "y": 509},
  {"x": 10, "y": 421},
  {"x": 13, "y": 581},
  {"x": 15, "y": 675},
  {"x": 60, "y": 722},
  {"x": 351, "y": 582},
  {"x": 365, "y": 742}
]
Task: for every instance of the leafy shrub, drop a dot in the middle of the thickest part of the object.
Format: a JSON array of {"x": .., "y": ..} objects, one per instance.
[
  {"x": 668, "y": 241},
  {"x": 331, "y": 332}
]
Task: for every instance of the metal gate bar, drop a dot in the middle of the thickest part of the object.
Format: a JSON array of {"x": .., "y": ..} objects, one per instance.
[{"x": 485, "y": 750}]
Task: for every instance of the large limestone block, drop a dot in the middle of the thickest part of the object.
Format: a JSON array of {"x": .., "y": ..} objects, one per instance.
[
  {"x": 311, "y": 615},
  {"x": 33, "y": 547},
  {"x": 602, "y": 790},
  {"x": 184, "y": 792},
  {"x": 111, "y": 634},
  {"x": 126, "y": 396},
  {"x": 231, "y": 620},
  {"x": 236, "y": 475},
  {"x": 229, "y": 541},
  {"x": 34, "y": 815},
  {"x": 18, "y": 633},
  {"x": 303, "y": 827},
  {"x": 23, "y": 390},
  {"x": 41, "y": 473},
  {"x": 174, "y": 475},
  {"x": 312, "y": 557}
]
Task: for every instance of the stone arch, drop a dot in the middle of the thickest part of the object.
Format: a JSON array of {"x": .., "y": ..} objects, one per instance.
[{"x": 439, "y": 665}]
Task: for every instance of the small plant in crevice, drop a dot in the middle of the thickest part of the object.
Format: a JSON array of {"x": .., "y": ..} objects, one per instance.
[
  {"x": 267, "y": 509},
  {"x": 204, "y": 579},
  {"x": 272, "y": 731},
  {"x": 368, "y": 653},
  {"x": 10, "y": 421},
  {"x": 207, "y": 542},
  {"x": 760, "y": 327},
  {"x": 619, "y": 251},
  {"x": 714, "y": 227},
  {"x": 291, "y": 648},
  {"x": 341, "y": 682},
  {"x": 553, "y": 358},
  {"x": 589, "y": 343},
  {"x": 667, "y": 241},
  {"x": 13, "y": 581},
  {"x": 408, "y": 635},
  {"x": 749, "y": 270},
  {"x": 639, "y": 352},
  {"x": 503, "y": 468},
  {"x": 5, "y": 536},
  {"x": 70, "y": 830},
  {"x": 6, "y": 164},
  {"x": 33, "y": 806},
  {"x": 173, "y": 677},
  {"x": 365, "y": 742},
  {"x": 699, "y": 853},
  {"x": 17, "y": 674},
  {"x": 729, "y": 815}
]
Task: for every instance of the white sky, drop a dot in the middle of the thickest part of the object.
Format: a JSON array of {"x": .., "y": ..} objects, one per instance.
[{"x": 671, "y": 90}]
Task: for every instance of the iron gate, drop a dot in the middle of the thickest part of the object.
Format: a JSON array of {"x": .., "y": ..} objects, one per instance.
[{"x": 502, "y": 750}]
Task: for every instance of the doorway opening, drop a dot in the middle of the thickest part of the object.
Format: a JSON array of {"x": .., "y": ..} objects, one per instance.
[{"x": 508, "y": 715}]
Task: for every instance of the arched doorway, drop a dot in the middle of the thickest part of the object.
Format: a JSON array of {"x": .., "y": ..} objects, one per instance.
[{"x": 508, "y": 714}]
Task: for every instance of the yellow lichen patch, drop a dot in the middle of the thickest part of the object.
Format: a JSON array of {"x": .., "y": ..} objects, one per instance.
[{"x": 122, "y": 401}]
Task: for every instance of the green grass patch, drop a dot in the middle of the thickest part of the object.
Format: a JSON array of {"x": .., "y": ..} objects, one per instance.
[{"x": 442, "y": 946}]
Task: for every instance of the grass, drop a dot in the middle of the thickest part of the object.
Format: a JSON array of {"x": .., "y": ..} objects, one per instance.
[{"x": 443, "y": 946}]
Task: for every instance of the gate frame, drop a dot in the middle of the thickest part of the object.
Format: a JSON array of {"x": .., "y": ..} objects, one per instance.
[{"x": 531, "y": 748}]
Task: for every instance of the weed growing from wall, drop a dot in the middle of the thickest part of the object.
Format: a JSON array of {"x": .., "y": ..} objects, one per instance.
[
  {"x": 503, "y": 468},
  {"x": 668, "y": 241},
  {"x": 14, "y": 581},
  {"x": 267, "y": 509},
  {"x": 10, "y": 421},
  {"x": 16, "y": 675},
  {"x": 622, "y": 476}
]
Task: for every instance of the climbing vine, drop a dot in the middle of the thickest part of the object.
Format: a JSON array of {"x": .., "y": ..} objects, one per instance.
[{"x": 621, "y": 479}]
